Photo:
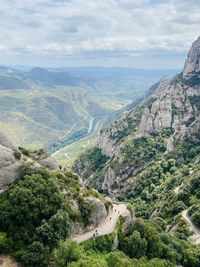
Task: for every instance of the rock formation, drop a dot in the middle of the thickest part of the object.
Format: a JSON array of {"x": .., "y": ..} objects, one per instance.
[
  {"x": 9, "y": 164},
  {"x": 99, "y": 212},
  {"x": 49, "y": 162},
  {"x": 9, "y": 167},
  {"x": 7, "y": 142},
  {"x": 192, "y": 63},
  {"x": 174, "y": 108},
  {"x": 11, "y": 159}
]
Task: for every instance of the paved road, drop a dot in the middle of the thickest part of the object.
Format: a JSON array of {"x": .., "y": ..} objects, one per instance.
[
  {"x": 195, "y": 238},
  {"x": 106, "y": 227}
]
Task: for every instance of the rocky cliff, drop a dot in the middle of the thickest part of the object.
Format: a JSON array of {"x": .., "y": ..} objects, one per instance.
[
  {"x": 159, "y": 125},
  {"x": 12, "y": 159},
  {"x": 9, "y": 164},
  {"x": 192, "y": 64}
]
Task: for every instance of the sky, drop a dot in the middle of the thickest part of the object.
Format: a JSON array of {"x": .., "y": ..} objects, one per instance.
[{"x": 149, "y": 34}]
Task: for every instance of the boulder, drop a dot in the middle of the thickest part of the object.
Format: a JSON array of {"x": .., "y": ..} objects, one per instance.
[
  {"x": 99, "y": 212},
  {"x": 49, "y": 162},
  {"x": 9, "y": 167}
]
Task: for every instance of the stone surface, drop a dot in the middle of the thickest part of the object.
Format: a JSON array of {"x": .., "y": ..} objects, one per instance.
[
  {"x": 7, "y": 142},
  {"x": 9, "y": 167},
  {"x": 7, "y": 261},
  {"x": 49, "y": 162},
  {"x": 192, "y": 63},
  {"x": 99, "y": 212}
]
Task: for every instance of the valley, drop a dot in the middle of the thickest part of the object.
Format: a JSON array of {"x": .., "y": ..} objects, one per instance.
[
  {"x": 59, "y": 107},
  {"x": 67, "y": 155},
  {"x": 100, "y": 133},
  {"x": 128, "y": 190}
]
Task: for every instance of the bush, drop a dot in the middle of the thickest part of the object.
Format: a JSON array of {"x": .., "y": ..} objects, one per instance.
[
  {"x": 55, "y": 229},
  {"x": 17, "y": 154},
  {"x": 85, "y": 208},
  {"x": 100, "y": 244},
  {"x": 36, "y": 255},
  {"x": 67, "y": 251},
  {"x": 24, "y": 151},
  {"x": 134, "y": 246},
  {"x": 4, "y": 242}
]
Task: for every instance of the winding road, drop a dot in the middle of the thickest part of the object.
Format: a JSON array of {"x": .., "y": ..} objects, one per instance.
[
  {"x": 107, "y": 226},
  {"x": 195, "y": 238}
]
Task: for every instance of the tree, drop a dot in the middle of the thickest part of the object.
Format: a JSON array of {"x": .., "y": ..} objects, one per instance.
[
  {"x": 118, "y": 259},
  {"x": 36, "y": 255},
  {"x": 89, "y": 261},
  {"x": 85, "y": 208},
  {"x": 135, "y": 246},
  {"x": 55, "y": 229},
  {"x": 192, "y": 258},
  {"x": 67, "y": 251}
]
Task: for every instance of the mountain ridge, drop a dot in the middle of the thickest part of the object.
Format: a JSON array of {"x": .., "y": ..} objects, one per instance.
[{"x": 172, "y": 113}]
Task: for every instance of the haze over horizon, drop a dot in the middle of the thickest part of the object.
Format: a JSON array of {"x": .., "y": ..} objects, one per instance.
[{"x": 146, "y": 34}]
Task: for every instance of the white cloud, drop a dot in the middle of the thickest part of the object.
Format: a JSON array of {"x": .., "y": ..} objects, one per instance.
[{"x": 77, "y": 27}]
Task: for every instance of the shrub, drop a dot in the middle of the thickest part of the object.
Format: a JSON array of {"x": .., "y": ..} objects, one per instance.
[{"x": 17, "y": 154}]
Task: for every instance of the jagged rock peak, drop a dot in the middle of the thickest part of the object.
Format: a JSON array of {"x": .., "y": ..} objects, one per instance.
[{"x": 192, "y": 63}]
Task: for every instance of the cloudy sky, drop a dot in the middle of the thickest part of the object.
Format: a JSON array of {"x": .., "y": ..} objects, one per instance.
[{"x": 127, "y": 33}]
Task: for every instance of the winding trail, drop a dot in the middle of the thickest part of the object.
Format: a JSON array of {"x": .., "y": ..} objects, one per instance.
[
  {"x": 107, "y": 226},
  {"x": 195, "y": 238}
]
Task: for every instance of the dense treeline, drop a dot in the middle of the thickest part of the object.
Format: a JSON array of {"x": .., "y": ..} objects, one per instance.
[{"x": 34, "y": 217}]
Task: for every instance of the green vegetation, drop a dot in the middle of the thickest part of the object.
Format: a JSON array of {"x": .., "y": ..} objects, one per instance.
[
  {"x": 17, "y": 154},
  {"x": 34, "y": 217},
  {"x": 193, "y": 80},
  {"x": 91, "y": 160},
  {"x": 195, "y": 100},
  {"x": 69, "y": 154},
  {"x": 85, "y": 208},
  {"x": 145, "y": 245},
  {"x": 143, "y": 149}
]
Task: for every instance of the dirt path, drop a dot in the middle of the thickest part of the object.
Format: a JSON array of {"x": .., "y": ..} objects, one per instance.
[
  {"x": 106, "y": 227},
  {"x": 195, "y": 238}
]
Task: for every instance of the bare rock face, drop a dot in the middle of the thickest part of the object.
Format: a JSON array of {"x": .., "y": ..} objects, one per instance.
[
  {"x": 98, "y": 215},
  {"x": 192, "y": 63},
  {"x": 49, "y": 162},
  {"x": 7, "y": 142},
  {"x": 99, "y": 212},
  {"x": 9, "y": 167},
  {"x": 108, "y": 139},
  {"x": 172, "y": 107},
  {"x": 83, "y": 168}
]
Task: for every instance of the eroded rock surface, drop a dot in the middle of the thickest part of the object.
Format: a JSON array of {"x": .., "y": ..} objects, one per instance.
[
  {"x": 192, "y": 63},
  {"x": 9, "y": 164}
]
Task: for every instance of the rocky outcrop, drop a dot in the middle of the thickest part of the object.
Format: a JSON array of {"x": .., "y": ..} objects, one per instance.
[
  {"x": 7, "y": 261},
  {"x": 109, "y": 138},
  {"x": 9, "y": 164},
  {"x": 49, "y": 162},
  {"x": 11, "y": 159},
  {"x": 99, "y": 212},
  {"x": 7, "y": 142},
  {"x": 83, "y": 168},
  {"x": 192, "y": 63},
  {"x": 171, "y": 108},
  {"x": 98, "y": 215},
  {"x": 173, "y": 111}
]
